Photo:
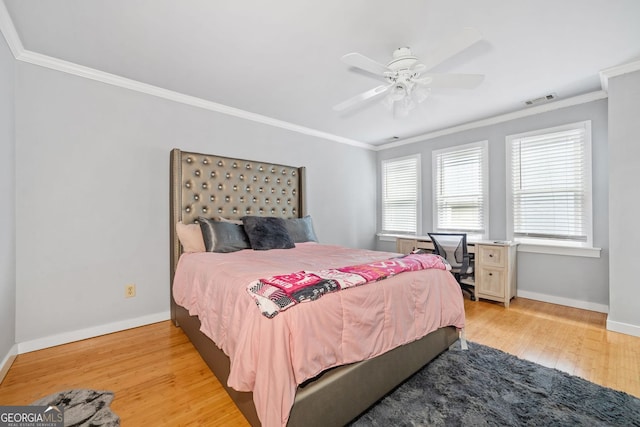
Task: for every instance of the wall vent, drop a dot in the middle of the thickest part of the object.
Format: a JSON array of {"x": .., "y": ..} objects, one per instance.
[{"x": 541, "y": 99}]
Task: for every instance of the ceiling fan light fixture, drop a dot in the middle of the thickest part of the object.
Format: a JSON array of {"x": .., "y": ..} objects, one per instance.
[
  {"x": 403, "y": 107},
  {"x": 420, "y": 93},
  {"x": 398, "y": 92}
]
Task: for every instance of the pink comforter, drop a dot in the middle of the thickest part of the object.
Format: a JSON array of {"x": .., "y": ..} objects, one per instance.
[{"x": 270, "y": 357}]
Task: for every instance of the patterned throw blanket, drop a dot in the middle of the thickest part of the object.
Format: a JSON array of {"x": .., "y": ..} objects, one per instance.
[{"x": 277, "y": 293}]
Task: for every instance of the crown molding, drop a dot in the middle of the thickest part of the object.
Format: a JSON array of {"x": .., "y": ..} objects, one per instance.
[
  {"x": 123, "y": 82},
  {"x": 618, "y": 70},
  {"x": 22, "y": 54},
  {"x": 9, "y": 31},
  {"x": 531, "y": 111}
]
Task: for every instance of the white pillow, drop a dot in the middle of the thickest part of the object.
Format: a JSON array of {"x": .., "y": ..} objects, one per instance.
[{"x": 190, "y": 237}]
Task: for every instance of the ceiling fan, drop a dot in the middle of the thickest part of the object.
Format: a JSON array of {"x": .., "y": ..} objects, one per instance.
[{"x": 407, "y": 83}]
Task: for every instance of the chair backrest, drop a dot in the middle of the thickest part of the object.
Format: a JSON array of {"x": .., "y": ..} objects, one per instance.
[{"x": 450, "y": 246}]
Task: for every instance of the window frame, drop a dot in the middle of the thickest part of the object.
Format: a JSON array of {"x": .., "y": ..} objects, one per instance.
[
  {"x": 484, "y": 146},
  {"x": 418, "y": 200},
  {"x": 550, "y": 245}
]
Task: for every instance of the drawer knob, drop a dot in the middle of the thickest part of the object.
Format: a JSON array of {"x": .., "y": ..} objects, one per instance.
[
  {"x": 490, "y": 255},
  {"x": 490, "y": 274}
]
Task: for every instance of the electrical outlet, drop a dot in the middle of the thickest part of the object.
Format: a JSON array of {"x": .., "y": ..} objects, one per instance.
[{"x": 130, "y": 291}]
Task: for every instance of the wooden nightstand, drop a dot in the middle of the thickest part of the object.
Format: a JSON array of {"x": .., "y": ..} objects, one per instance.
[{"x": 496, "y": 272}]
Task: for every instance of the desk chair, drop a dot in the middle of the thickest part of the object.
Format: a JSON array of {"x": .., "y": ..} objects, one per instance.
[{"x": 453, "y": 248}]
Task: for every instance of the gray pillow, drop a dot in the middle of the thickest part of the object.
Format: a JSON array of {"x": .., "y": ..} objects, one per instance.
[
  {"x": 267, "y": 233},
  {"x": 222, "y": 236},
  {"x": 301, "y": 229}
]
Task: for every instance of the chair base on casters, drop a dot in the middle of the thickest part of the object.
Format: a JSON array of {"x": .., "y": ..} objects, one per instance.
[
  {"x": 466, "y": 287},
  {"x": 470, "y": 290}
]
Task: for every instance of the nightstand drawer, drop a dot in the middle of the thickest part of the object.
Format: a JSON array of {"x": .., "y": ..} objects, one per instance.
[
  {"x": 490, "y": 283},
  {"x": 493, "y": 256}
]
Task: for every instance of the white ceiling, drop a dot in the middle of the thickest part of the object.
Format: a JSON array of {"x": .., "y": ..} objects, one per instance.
[{"x": 281, "y": 58}]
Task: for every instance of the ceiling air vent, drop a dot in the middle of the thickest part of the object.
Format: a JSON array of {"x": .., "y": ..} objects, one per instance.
[{"x": 541, "y": 100}]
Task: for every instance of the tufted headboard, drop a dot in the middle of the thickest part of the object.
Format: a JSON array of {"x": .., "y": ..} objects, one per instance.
[{"x": 212, "y": 186}]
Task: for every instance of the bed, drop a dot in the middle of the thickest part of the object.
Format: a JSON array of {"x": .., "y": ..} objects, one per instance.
[{"x": 330, "y": 388}]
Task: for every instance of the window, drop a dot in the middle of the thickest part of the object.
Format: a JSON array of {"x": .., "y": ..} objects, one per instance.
[
  {"x": 400, "y": 195},
  {"x": 549, "y": 172},
  {"x": 460, "y": 196}
]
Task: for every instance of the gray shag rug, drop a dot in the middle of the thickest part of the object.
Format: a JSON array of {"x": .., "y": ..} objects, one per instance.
[
  {"x": 83, "y": 408},
  {"x": 484, "y": 386}
]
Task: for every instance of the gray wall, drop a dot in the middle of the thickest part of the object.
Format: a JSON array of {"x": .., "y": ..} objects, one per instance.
[
  {"x": 624, "y": 203},
  {"x": 575, "y": 278},
  {"x": 7, "y": 204},
  {"x": 92, "y": 178}
]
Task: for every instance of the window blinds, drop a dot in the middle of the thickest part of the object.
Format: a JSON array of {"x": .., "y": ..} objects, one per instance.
[
  {"x": 550, "y": 186},
  {"x": 400, "y": 195},
  {"x": 460, "y": 189}
]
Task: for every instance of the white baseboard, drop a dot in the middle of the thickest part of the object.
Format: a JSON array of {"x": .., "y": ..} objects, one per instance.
[
  {"x": 623, "y": 328},
  {"x": 585, "y": 305},
  {"x": 8, "y": 361},
  {"x": 82, "y": 334}
]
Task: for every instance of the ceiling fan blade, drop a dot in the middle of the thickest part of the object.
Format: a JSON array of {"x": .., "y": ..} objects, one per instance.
[
  {"x": 364, "y": 96},
  {"x": 360, "y": 61},
  {"x": 462, "y": 81},
  {"x": 466, "y": 38}
]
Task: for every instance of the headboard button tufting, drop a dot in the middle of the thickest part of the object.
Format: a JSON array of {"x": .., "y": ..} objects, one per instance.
[{"x": 231, "y": 188}]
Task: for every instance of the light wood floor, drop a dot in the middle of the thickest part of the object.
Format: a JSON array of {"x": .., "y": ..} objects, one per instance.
[{"x": 159, "y": 379}]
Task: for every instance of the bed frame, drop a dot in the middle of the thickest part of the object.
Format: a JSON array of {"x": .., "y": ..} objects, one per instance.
[{"x": 210, "y": 185}]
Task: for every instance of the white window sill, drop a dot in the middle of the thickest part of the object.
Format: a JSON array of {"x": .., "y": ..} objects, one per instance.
[{"x": 559, "y": 250}]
